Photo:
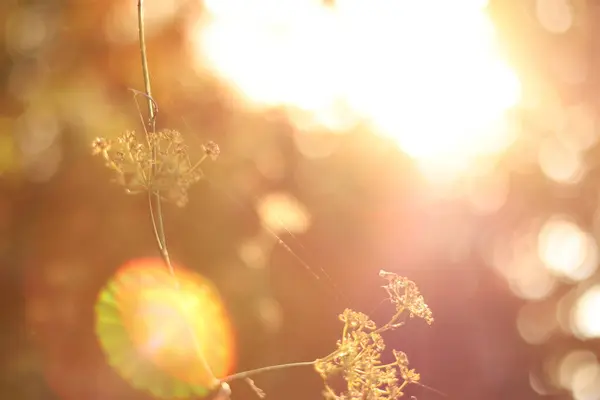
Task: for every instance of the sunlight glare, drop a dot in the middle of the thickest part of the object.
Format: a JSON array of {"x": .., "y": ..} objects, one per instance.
[
  {"x": 566, "y": 250},
  {"x": 427, "y": 74},
  {"x": 281, "y": 212},
  {"x": 585, "y": 319}
]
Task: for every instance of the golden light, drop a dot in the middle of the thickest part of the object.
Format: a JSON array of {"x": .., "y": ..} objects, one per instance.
[
  {"x": 120, "y": 26},
  {"x": 585, "y": 318},
  {"x": 529, "y": 280},
  {"x": 571, "y": 362},
  {"x": 566, "y": 250},
  {"x": 441, "y": 97},
  {"x": 579, "y": 372},
  {"x": 538, "y": 384},
  {"x": 559, "y": 162},
  {"x": 556, "y": 16},
  {"x": 586, "y": 382},
  {"x": 172, "y": 338},
  {"x": 518, "y": 262},
  {"x": 253, "y": 253},
  {"x": 281, "y": 212}
]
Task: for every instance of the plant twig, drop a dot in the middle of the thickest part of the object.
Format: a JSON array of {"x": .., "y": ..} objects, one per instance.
[
  {"x": 246, "y": 374},
  {"x": 154, "y": 203},
  {"x": 145, "y": 70},
  {"x": 157, "y": 220},
  {"x": 154, "y": 200}
]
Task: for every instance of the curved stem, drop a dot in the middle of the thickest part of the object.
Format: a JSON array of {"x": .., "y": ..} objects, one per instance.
[
  {"x": 246, "y": 374},
  {"x": 145, "y": 69},
  {"x": 154, "y": 201}
]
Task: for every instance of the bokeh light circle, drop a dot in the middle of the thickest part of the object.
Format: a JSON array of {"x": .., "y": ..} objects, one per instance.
[
  {"x": 167, "y": 335},
  {"x": 566, "y": 250},
  {"x": 585, "y": 318}
]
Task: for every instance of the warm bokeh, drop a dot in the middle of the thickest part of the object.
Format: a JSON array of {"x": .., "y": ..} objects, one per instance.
[
  {"x": 453, "y": 142},
  {"x": 166, "y": 332}
]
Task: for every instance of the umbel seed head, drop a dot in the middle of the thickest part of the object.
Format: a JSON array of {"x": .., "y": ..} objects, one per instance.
[
  {"x": 160, "y": 163},
  {"x": 357, "y": 358},
  {"x": 212, "y": 150}
]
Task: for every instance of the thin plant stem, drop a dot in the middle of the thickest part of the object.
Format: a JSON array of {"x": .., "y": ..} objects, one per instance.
[
  {"x": 155, "y": 206},
  {"x": 145, "y": 69},
  {"x": 154, "y": 201},
  {"x": 246, "y": 374}
]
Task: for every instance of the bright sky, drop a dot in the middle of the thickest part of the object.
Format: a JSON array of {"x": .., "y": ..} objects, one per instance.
[{"x": 425, "y": 73}]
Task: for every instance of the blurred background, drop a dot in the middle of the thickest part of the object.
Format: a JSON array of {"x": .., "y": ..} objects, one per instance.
[{"x": 455, "y": 143}]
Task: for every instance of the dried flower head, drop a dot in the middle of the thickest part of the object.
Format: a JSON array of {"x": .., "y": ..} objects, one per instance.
[
  {"x": 100, "y": 146},
  {"x": 405, "y": 295},
  {"x": 357, "y": 358},
  {"x": 159, "y": 163},
  {"x": 212, "y": 150}
]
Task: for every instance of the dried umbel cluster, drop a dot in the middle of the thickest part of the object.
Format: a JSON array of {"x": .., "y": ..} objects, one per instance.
[
  {"x": 160, "y": 163},
  {"x": 357, "y": 358}
]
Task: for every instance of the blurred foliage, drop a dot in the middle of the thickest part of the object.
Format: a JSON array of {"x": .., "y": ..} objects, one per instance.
[{"x": 507, "y": 255}]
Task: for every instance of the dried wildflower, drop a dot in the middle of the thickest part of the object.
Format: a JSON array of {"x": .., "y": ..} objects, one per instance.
[
  {"x": 357, "y": 358},
  {"x": 357, "y": 320},
  {"x": 158, "y": 164},
  {"x": 212, "y": 150},
  {"x": 405, "y": 295},
  {"x": 100, "y": 145}
]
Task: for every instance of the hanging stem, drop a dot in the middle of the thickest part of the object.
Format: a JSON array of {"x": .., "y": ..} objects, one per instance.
[
  {"x": 154, "y": 201},
  {"x": 157, "y": 220}
]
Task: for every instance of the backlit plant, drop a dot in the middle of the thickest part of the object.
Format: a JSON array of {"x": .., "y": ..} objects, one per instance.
[{"x": 158, "y": 163}]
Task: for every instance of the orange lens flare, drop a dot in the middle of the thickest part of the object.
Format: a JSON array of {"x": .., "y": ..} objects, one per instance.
[{"x": 177, "y": 327}]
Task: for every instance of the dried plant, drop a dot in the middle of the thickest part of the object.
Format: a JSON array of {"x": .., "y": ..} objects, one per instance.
[
  {"x": 357, "y": 358},
  {"x": 159, "y": 164},
  {"x": 132, "y": 161}
]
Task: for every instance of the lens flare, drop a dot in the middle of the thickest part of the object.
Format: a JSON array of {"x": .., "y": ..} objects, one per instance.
[
  {"x": 427, "y": 74},
  {"x": 164, "y": 336}
]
